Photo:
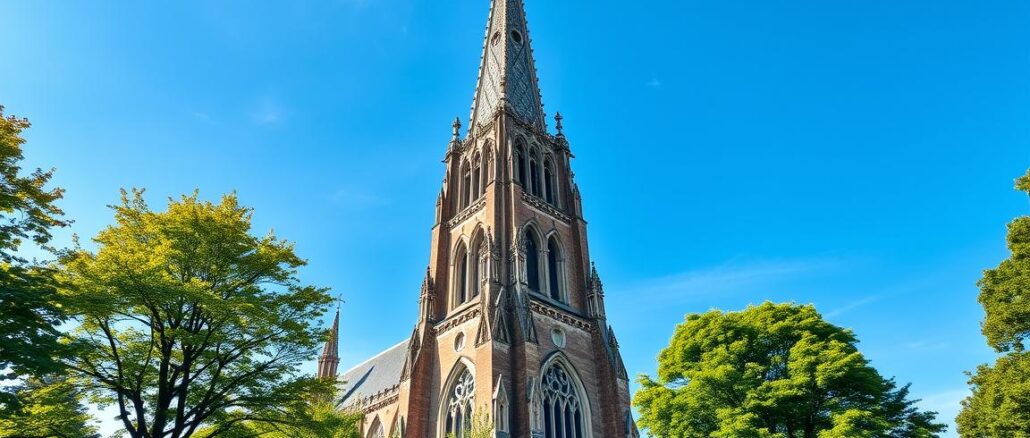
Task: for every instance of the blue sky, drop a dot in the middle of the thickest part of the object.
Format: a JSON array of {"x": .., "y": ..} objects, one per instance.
[{"x": 854, "y": 155}]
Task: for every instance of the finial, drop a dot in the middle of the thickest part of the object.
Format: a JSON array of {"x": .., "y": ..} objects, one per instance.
[
  {"x": 557, "y": 122},
  {"x": 457, "y": 127}
]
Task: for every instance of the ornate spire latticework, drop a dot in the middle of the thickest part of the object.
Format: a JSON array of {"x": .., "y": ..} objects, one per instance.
[
  {"x": 507, "y": 74},
  {"x": 329, "y": 360}
]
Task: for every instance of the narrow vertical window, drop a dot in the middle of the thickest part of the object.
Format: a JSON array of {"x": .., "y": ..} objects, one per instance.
[
  {"x": 554, "y": 273},
  {"x": 461, "y": 276},
  {"x": 520, "y": 165},
  {"x": 548, "y": 183},
  {"x": 532, "y": 262},
  {"x": 466, "y": 185},
  {"x": 476, "y": 182},
  {"x": 463, "y": 267},
  {"x": 534, "y": 180}
]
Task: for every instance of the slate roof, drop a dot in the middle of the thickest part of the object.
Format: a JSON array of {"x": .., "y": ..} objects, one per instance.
[{"x": 379, "y": 373}]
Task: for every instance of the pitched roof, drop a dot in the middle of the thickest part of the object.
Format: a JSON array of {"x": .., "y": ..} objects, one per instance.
[{"x": 379, "y": 373}]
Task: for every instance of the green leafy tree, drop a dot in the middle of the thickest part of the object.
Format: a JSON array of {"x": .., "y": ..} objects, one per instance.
[
  {"x": 28, "y": 313},
  {"x": 773, "y": 371},
  {"x": 190, "y": 320},
  {"x": 316, "y": 419},
  {"x": 1000, "y": 403},
  {"x": 51, "y": 408}
]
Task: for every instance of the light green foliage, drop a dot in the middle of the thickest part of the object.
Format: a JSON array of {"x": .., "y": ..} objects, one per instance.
[
  {"x": 28, "y": 313},
  {"x": 480, "y": 426},
  {"x": 1005, "y": 290},
  {"x": 189, "y": 320},
  {"x": 1000, "y": 403},
  {"x": 50, "y": 408},
  {"x": 772, "y": 371},
  {"x": 310, "y": 420}
]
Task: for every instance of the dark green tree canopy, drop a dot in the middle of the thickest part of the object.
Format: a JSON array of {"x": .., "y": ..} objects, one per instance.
[
  {"x": 774, "y": 370},
  {"x": 189, "y": 320}
]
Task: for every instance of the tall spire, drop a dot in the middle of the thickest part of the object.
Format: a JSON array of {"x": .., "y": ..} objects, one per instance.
[
  {"x": 330, "y": 357},
  {"x": 507, "y": 74}
]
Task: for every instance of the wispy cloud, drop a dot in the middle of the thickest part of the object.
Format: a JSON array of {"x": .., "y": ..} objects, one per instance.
[
  {"x": 852, "y": 306},
  {"x": 731, "y": 277},
  {"x": 654, "y": 83}
]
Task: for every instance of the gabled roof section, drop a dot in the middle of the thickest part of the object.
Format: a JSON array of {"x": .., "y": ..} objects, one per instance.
[
  {"x": 373, "y": 376},
  {"x": 507, "y": 74}
]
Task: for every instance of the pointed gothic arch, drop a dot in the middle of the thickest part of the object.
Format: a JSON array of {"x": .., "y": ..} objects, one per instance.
[
  {"x": 556, "y": 269},
  {"x": 533, "y": 246},
  {"x": 519, "y": 163},
  {"x": 478, "y": 259},
  {"x": 466, "y": 185},
  {"x": 375, "y": 430},
  {"x": 565, "y": 405},
  {"x": 457, "y": 401},
  {"x": 476, "y": 183},
  {"x": 550, "y": 186},
  {"x": 534, "y": 172},
  {"x": 460, "y": 275}
]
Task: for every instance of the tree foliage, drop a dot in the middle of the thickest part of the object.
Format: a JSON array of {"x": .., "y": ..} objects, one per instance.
[
  {"x": 28, "y": 314},
  {"x": 316, "y": 419},
  {"x": 1000, "y": 403},
  {"x": 51, "y": 408},
  {"x": 191, "y": 321},
  {"x": 773, "y": 371}
]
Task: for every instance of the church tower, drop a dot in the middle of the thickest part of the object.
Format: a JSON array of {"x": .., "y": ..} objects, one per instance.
[{"x": 511, "y": 323}]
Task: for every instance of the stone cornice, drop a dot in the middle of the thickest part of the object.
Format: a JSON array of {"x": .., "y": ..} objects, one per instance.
[
  {"x": 549, "y": 209},
  {"x": 457, "y": 319},
  {"x": 465, "y": 214},
  {"x": 561, "y": 316}
]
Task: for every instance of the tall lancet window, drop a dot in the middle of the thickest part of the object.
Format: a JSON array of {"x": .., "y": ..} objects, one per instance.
[
  {"x": 461, "y": 275},
  {"x": 532, "y": 261},
  {"x": 477, "y": 180},
  {"x": 554, "y": 269},
  {"x": 520, "y": 164},
  {"x": 459, "y": 404},
  {"x": 549, "y": 183},
  {"x": 534, "y": 177},
  {"x": 476, "y": 262},
  {"x": 563, "y": 406},
  {"x": 466, "y": 183}
]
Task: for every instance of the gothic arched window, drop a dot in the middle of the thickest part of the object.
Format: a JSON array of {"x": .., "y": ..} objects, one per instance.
[
  {"x": 476, "y": 262},
  {"x": 549, "y": 184},
  {"x": 459, "y": 404},
  {"x": 532, "y": 261},
  {"x": 554, "y": 269},
  {"x": 461, "y": 276},
  {"x": 477, "y": 178},
  {"x": 376, "y": 431},
  {"x": 466, "y": 183},
  {"x": 534, "y": 177},
  {"x": 563, "y": 405},
  {"x": 520, "y": 164}
]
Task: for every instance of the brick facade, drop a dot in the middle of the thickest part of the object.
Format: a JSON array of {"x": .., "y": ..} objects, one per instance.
[{"x": 514, "y": 322}]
